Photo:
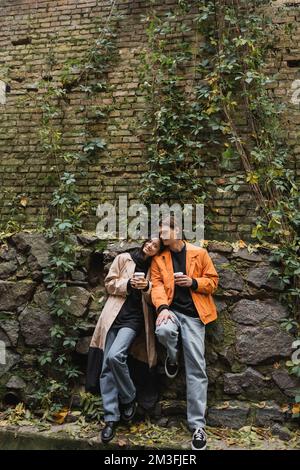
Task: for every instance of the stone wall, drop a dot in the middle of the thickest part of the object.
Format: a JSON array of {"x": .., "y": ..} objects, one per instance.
[
  {"x": 36, "y": 40},
  {"x": 246, "y": 348}
]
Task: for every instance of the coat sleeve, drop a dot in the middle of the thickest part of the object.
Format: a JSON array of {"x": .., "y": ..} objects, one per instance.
[
  {"x": 158, "y": 293},
  {"x": 147, "y": 294},
  {"x": 113, "y": 283},
  {"x": 208, "y": 282}
]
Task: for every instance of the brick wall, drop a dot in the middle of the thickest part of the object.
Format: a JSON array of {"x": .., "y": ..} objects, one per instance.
[{"x": 36, "y": 39}]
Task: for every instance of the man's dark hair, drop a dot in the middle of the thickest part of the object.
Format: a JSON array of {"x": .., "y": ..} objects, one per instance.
[{"x": 171, "y": 222}]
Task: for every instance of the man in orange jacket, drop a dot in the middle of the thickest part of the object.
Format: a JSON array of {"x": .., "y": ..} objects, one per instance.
[{"x": 183, "y": 279}]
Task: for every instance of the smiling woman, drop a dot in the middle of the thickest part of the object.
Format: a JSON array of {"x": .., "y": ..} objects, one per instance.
[{"x": 125, "y": 326}]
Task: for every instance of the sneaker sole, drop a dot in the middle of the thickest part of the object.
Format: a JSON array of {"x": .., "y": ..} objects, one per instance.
[
  {"x": 169, "y": 375},
  {"x": 131, "y": 417},
  {"x": 194, "y": 448},
  {"x": 106, "y": 441}
]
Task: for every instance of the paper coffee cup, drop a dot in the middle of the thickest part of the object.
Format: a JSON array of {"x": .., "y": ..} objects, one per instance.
[
  {"x": 139, "y": 275},
  {"x": 178, "y": 274}
]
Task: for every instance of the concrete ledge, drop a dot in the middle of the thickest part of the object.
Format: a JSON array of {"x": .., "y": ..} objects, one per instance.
[{"x": 140, "y": 437}]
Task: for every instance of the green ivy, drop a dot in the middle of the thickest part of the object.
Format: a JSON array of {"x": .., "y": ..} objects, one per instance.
[
  {"x": 174, "y": 148},
  {"x": 57, "y": 373},
  {"x": 239, "y": 36},
  {"x": 233, "y": 119}
]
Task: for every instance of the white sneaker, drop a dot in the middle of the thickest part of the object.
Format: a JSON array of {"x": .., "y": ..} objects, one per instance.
[
  {"x": 199, "y": 439},
  {"x": 171, "y": 369}
]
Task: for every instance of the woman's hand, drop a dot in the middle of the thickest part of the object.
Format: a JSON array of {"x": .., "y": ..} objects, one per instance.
[{"x": 138, "y": 283}]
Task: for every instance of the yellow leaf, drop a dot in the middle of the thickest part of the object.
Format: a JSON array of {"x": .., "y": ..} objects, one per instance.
[
  {"x": 20, "y": 409},
  {"x": 252, "y": 178},
  {"x": 262, "y": 404},
  {"x": 133, "y": 429},
  {"x": 210, "y": 110},
  {"x": 238, "y": 245},
  {"x": 296, "y": 409},
  {"x": 285, "y": 408},
  {"x": 60, "y": 416},
  {"x": 24, "y": 201}
]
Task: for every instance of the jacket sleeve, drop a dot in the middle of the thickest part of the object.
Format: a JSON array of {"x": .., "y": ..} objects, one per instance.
[
  {"x": 114, "y": 285},
  {"x": 147, "y": 294},
  {"x": 208, "y": 282},
  {"x": 158, "y": 293}
]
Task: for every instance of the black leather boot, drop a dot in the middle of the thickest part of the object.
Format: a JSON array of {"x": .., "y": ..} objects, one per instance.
[{"x": 108, "y": 432}]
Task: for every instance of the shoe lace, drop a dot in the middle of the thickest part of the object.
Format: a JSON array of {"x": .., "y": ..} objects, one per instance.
[{"x": 199, "y": 434}]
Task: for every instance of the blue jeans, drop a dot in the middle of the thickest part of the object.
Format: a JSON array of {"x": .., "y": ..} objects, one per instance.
[
  {"x": 192, "y": 332},
  {"x": 115, "y": 382}
]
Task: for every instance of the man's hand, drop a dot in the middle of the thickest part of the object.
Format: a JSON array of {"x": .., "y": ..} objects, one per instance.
[
  {"x": 164, "y": 316},
  {"x": 183, "y": 280},
  {"x": 138, "y": 283}
]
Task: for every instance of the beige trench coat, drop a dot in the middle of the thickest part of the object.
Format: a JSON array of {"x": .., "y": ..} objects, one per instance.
[{"x": 143, "y": 347}]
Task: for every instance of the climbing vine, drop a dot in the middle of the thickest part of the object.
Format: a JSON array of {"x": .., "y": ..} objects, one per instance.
[
  {"x": 231, "y": 115},
  {"x": 57, "y": 371},
  {"x": 238, "y": 41},
  {"x": 174, "y": 150},
  {"x": 226, "y": 112},
  {"x": 238, "y": 44}
]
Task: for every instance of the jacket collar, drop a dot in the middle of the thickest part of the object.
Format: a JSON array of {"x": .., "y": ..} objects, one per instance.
[
  {"x": 191, "y": 253},
  {"x": 190, "y": 248}
]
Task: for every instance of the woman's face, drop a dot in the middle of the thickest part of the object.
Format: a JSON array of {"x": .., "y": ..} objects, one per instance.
[{"x": 151, "y": 247}]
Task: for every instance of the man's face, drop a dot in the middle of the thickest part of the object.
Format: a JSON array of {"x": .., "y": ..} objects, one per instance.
[{"x": 168, "y": 234}]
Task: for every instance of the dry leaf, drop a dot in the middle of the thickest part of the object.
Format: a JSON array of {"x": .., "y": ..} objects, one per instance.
[
  {"x": 60, "y": 416},
  {"x": 122, "y": 442},
  {"x": 296, "y": 408},
  {"x": 285, "y": 408},
  {"x": 262, "y": 404},
  {"x": 238, "y": 245},
  {"x": 24, "y": 201}
]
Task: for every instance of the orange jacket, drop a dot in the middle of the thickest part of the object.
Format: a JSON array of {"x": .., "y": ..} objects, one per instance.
[{"x": 198, "y": 266}]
